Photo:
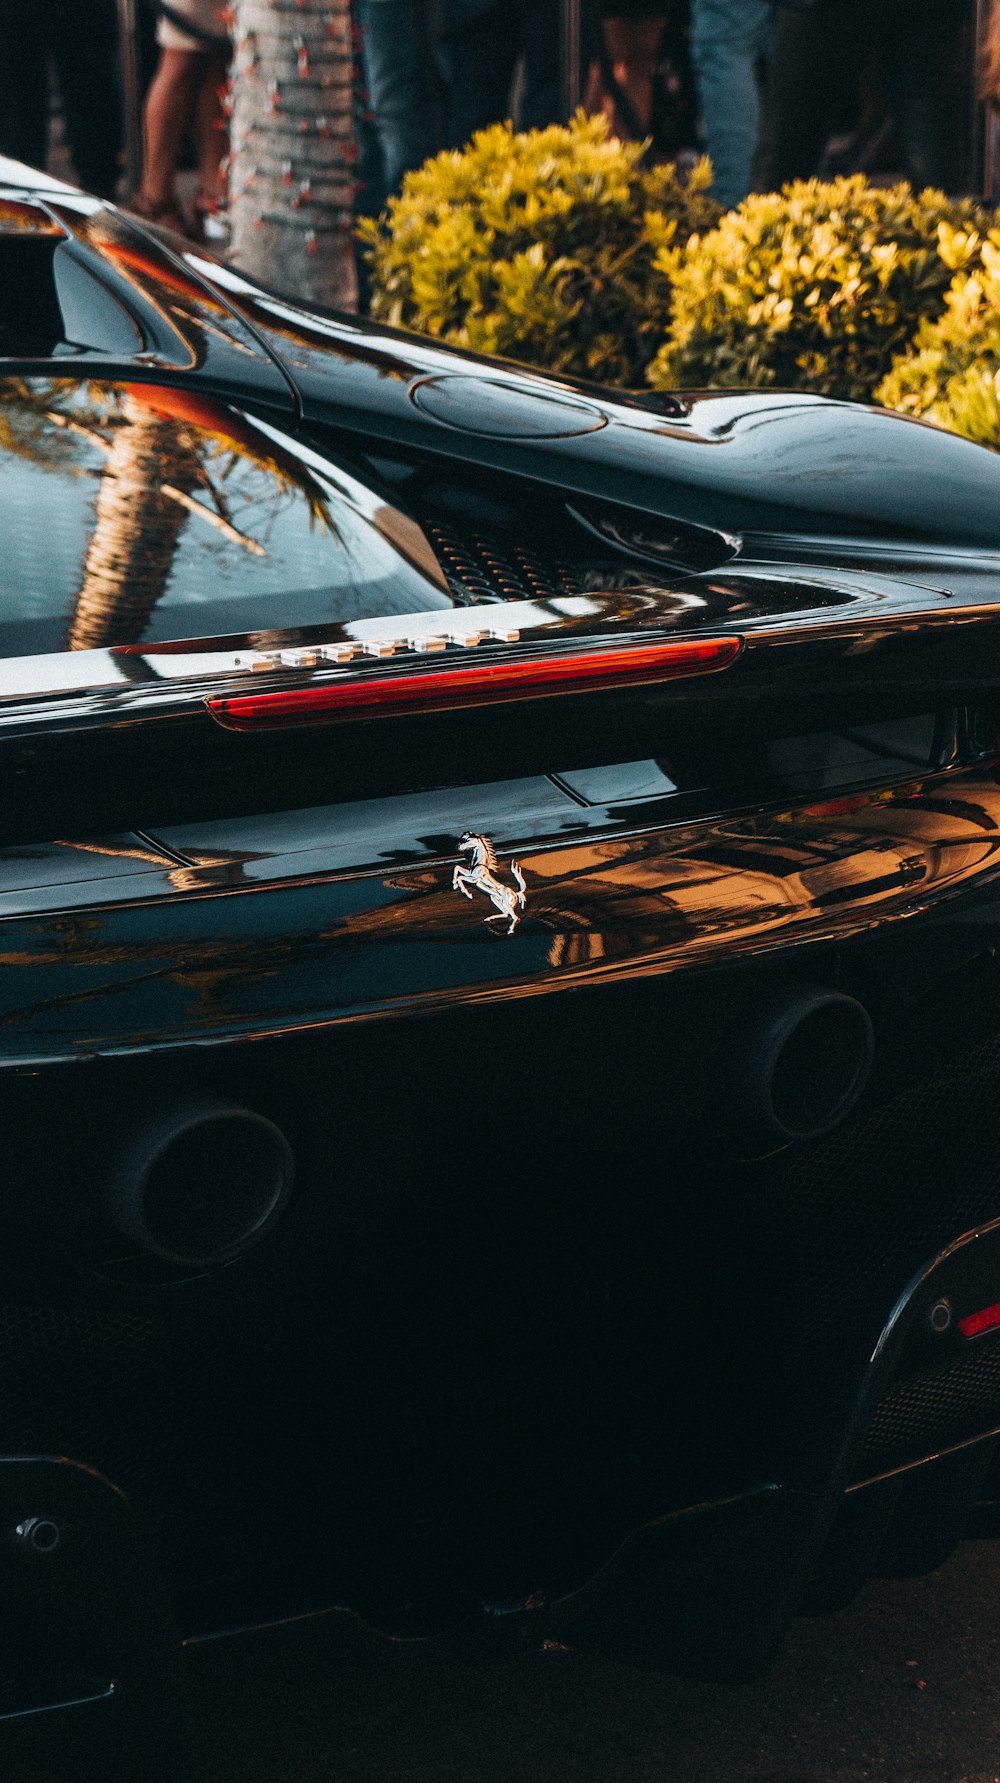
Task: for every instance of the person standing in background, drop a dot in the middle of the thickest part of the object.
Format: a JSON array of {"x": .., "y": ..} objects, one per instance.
[
  {"x": 640, "y": 74},
  {"x": 402, "y": 127},
  {"x": 480, "y": 43},
  {"x": 185, "y": 95},
  {"x": 730, "y": 41},
  {"x": 989, "y": 72},
  {"x": 819, "y": 52},
  {"x": 81, "y": 43},
  {"x": 989, "y": 93}
]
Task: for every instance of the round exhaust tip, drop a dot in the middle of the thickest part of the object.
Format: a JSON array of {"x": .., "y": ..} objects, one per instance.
[
  {"x": 197, "y": 1185},
  {"x": 803, "y": 1061}
]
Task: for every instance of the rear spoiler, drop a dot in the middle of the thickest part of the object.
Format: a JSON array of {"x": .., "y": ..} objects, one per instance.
[{"x": 137, "y": 736}]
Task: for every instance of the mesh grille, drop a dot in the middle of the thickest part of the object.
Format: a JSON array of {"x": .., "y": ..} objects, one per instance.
[
  {"x": 952, "y": 1405},
  {"x": 480, "y": 568},
  {"x": 143, "y": 1405}
]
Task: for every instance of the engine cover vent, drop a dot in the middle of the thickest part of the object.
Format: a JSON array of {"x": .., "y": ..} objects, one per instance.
[{"x": 479, "y": 567}]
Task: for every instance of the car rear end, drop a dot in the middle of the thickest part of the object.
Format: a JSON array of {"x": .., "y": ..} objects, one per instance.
[{"x": 498, "y": 1028}]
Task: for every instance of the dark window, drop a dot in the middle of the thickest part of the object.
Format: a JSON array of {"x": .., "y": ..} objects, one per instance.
[
  {"x": 30, "y": 318},
  {"x": 138, "y": 513}
]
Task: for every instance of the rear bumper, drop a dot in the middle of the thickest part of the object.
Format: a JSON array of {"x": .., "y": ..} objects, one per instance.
[
  {"x": 544, "y": 1345},
  {"x": 92, "y": 1668}
]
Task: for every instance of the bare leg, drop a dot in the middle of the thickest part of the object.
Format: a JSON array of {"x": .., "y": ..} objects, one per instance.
[
  {"x": 634, "y": 47},
  {"x": 210, "y": 126},
  {"x": 170, "y": 109}
]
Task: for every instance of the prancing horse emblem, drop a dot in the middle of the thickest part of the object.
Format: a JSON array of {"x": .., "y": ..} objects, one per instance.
[{"x": 482, "y": 876}]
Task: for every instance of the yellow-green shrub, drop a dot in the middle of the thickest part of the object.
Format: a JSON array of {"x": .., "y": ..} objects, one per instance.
[
  {"x": 818, "y": 286},
  {"x": 544, "y": 246},
  {"x": 952, "y": 373}
]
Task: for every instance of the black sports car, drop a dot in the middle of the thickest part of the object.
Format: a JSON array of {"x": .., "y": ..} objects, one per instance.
[{"x": 500, "y": 1011}]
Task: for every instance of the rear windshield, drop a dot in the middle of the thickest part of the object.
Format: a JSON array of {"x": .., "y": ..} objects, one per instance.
[{"x": 133, "y": 513}]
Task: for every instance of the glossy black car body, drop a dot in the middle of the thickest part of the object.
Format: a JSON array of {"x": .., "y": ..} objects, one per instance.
[{"x": 499, "y": 895}]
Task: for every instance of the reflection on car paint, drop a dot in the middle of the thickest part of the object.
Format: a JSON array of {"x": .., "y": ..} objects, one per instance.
[
  {"x": 250, "y": 943},
  {"x": 193, "y": 517}
]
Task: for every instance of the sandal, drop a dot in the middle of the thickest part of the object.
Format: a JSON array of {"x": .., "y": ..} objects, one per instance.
[
  {"x": 211, "y": 221},
  {"x": 167, "y": 215}
]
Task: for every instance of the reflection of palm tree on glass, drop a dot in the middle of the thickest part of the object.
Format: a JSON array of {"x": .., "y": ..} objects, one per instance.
[
  {"x": 170, "y": 458},
  {"x": 138, "y": 525}
]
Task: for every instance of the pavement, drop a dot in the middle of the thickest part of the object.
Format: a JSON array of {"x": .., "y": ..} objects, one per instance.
[{"x": 900, "y": 1688}]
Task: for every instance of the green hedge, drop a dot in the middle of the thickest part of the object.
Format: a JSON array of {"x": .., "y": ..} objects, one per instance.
[
  {"x": 559, "y": 249},
  {"x": 544, "y": 247},
  {"x": 952, "y": 373},
  {"x": 819, "y": 286}
]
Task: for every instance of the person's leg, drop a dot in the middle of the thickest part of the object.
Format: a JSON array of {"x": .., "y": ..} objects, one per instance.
[
  {"x": 632, "y": 48},
  {"x": 925, "y": 78},
  {"x": 24, "y": 85},
  {"x": 210, "y": 135},
  {"x": 541, "y": 95},
  {"x": 728, "y": 40},
  {"x": 477, "y": 65},
  {"x": 395, "y": 65},
  {"x": 84, "y": 47},
  {"x": 815, "y": 55},
  {"x": 170, "y": 107},
  {"x": 676, "y": 108},
  {"x": 370, "y": 191}
]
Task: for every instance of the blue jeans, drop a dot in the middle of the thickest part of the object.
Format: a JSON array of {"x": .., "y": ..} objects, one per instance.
[
  {"x": 396, "y": 68},
  {"x": 728, "y": 40}
]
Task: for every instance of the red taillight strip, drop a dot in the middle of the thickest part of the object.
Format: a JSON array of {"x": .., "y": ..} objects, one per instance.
[
  {"x": 473, "y": 684},
  {"x": 986, "y": 1320}
]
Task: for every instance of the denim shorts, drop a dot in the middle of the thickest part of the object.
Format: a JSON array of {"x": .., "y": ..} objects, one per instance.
[{"x": 206, "y": 21}]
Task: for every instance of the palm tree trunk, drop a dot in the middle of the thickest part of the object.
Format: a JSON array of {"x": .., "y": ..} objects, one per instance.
[{"x": 291, "y": 172}]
